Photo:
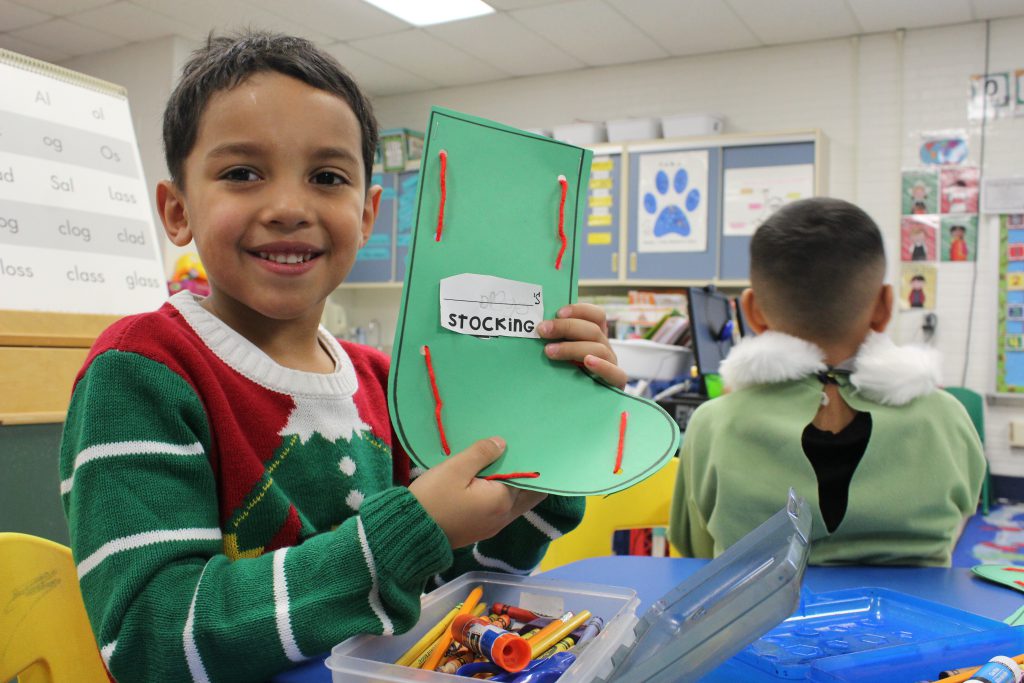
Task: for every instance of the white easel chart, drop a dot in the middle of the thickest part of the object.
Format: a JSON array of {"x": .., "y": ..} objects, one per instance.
[{"x": 76, "y": 228}]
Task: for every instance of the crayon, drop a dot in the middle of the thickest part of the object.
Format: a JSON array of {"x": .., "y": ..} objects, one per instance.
[
  {"x": 517, "y": 613},
  {"x": 507, "y": 650},
  {"x": 531, "y": 633},
  {"x": 416, "y": 650},
  {"x": 501, "y": 620},
  {"x": 592, "y": 628},
  {"x": 467, "y": 608},
  {"x": 452, "y": 664},
  {"x": 561, "y": 646},
  {"x": 542, "y": 641}
]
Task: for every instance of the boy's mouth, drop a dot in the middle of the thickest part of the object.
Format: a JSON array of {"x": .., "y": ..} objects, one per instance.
[{"x": 289, "y": 257}]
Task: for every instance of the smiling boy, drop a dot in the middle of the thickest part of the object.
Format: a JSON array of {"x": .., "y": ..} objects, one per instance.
[{"x": 236, "y": 497}]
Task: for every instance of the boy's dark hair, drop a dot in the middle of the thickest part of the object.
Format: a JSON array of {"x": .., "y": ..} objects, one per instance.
[
  {"x": 917, "y": 277},
  {"x": 226, "y": 61},
  {"x": 816, "y": 266},
  {"x": 959, "y": 227}
]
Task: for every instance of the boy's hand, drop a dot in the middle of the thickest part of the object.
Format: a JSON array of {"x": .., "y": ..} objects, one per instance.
[
  {"x": 469, "y": 509},
  {"x": 584, "y": 331}
]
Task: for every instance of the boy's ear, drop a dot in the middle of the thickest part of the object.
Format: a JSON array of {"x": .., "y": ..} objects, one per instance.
[
  {"x": 882, "y": 313},
  {"x": 170, "y": 202},
  {"x": 752, "y": 312},
  {"x": 370, "y": 208}
]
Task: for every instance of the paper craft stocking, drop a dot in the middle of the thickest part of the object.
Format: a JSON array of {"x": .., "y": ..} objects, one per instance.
[{"x": 495, "y": 251}]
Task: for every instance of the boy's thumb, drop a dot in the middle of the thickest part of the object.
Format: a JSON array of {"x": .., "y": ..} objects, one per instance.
[{"x": 481, "y": 454}]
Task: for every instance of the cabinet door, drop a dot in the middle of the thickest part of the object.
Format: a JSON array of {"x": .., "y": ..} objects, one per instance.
[
  {"x": 408, "y": 184},
  {"x": 674, "y": 212},
  {"x": 599, "y": 246},
  {"x": 770, "y": 176},
  {"x": 375, "y": 261}
]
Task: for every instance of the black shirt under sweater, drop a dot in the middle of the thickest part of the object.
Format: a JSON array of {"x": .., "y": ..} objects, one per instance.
[{"x": 834, "y": 458}]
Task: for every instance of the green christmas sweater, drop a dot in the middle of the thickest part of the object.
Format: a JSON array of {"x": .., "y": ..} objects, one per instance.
[{"x": 230, "y": 517}]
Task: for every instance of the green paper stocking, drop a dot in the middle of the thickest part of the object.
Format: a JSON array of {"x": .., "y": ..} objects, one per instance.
[
  {"x": 502, "y": 198},
  {"x": 1008, "y": 575}
]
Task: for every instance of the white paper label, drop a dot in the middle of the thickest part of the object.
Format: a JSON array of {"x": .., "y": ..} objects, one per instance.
[{"x": 486, "y": 306}]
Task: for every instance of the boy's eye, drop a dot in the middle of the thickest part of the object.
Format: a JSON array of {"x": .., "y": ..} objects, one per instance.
[
  {"x": 328, "y": 178},
  {"x": 240, "y": 175}
]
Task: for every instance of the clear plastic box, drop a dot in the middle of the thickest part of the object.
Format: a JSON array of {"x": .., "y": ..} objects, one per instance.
[{"x": 698, "y": 625}]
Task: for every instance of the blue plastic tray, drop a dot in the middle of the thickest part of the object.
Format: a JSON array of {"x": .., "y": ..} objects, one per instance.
[{"x": 870, "y": 634}]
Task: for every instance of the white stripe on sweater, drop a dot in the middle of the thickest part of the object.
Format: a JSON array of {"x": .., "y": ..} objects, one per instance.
[
  {"x": 141, "y": 540},
  {"x": 282, "y": 609},
  {"x": 543, "y": 526},
  {"x": 192, "y": 656},
  {"x": 118, "y": 448},
  {"x": 495, "y": 563},
  {"x": 107, "y": 651},
  {"x": 374, "y": 597}
]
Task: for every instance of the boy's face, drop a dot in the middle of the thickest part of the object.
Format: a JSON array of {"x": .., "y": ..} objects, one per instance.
[{"x": 274, "y": 197}]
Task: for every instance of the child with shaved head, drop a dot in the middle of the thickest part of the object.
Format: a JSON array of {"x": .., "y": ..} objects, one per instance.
[{"x": 823, "y": 402}]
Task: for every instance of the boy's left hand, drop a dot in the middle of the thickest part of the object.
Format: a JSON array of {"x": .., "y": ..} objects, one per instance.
[{"x": 583, "y": 331}]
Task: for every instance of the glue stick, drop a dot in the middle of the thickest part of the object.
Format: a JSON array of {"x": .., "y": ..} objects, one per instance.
[
  {"x": 998, "y": 670},
  {"x": 504, "y": 649}
]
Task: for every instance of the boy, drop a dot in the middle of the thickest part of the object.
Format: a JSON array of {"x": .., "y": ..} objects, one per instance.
[
  {"x": 823, "y": 402},
  {"x": 958, "y": 243},
  {"x": 236, "y": 497}
]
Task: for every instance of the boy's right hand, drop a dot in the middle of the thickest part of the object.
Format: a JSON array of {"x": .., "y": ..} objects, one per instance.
[{"x": 469, "y": 509}]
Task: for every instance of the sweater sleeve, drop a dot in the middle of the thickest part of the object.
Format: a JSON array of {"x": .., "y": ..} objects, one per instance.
[
  {"x": 164, "y": 600},
  {"x": 519, "y": 547},
  {"x": 688, "y": 528}
]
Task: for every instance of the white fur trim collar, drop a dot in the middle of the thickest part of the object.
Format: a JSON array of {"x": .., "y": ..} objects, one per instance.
[{"x": 883, "y": 372}]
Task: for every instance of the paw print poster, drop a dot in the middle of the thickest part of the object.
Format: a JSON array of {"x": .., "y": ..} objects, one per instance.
[{"x": 672, "y": 214}]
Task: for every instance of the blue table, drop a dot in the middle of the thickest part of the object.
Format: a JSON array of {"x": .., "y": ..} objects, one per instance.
[{"x": 652, "y": 577}]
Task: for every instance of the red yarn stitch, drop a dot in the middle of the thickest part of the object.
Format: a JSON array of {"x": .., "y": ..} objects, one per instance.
[
  {"x": 444, "y": 192},
  {"x": 622, "y": 442},
  {"x": 512, "y": 475},
  {"x": 437, "y": 401},
  {"x": 561, "y": 220}
]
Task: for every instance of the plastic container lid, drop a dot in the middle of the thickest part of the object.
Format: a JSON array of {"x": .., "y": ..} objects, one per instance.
[{"x": 748, "y": 590}]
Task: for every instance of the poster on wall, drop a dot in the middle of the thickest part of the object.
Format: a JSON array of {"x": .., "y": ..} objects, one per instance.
[
  {"x": 959, "y": 189},
  {"x": 917, "y": 238},
  {"x": 959, "y": 237},
  {"x": 1010, "y": 337},
  {"x": 672, "y": 214},
  {"x": 917, "y": 286},
  {"x": 920, "y": 192},
  {"x": 754, "y": 194},
  {"x": 990, "y": 96},
  {"x": 1018, "y": 108},
  {"x": 943, "y": 147}
]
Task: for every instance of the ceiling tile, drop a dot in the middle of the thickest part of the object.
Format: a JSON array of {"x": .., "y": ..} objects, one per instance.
[
  {"x": 61, "y": 7},
  {"x": 14, "y": 16},
  {"x": 793, "y": 21},
  {"x": 339, "y": 19},
  {"x": 428, "y": 57},
  {"x": 691, "y": 27},
  {"x": 374, "y": 76},
  {"x": 130, "y": 21},
  {"x": 992, "y": 9},
  {"x": 229, "y": 16},
  {"x": 500, "y": 40},
  {"x": 518, "y": 4},
  {"x": 887, "y": 15},
  {"x": 73, "y": 39},
  {"x": 25, "y": 47},
  {"x": 591, "y": 31}
]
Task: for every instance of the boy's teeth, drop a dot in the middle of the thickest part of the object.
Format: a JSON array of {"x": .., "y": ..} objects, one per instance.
[{"x": 286, "y": 258}]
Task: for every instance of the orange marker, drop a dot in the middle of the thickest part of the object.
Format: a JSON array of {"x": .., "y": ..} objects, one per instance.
[
  {"x": 446, "y": 638},
  {"x": 506, "y": 650}
]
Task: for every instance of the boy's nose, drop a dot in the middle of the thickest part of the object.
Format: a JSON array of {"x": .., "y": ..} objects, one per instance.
[{"x": 286, "y": 210}]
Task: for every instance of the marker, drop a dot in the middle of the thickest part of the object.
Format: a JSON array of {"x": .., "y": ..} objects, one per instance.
[
  {"x": 442, "y": 643},
  {"x": 559, "y": 629},
  {"x": 507, "y": 650}
]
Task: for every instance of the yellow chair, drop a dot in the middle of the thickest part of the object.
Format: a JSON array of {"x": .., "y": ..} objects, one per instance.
[
  {"x": 640, "y": 506},
  {"x": 45, "y": 636}
]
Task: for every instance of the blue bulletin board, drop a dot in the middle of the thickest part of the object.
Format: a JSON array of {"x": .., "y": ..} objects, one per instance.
[
  {"x": 374, "y": 262},
  {"x": 1010, "y": 354},
  {"x": 408, "y": 183}
]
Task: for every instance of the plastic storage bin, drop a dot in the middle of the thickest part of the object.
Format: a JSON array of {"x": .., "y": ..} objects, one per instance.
[
  {"x": 645, "y": 359},
  {"x": 702, "y": 622},
  {"x": 582, "y": 133},
  {"x": 688, "y": 125},
  {"x": 623, "y": 130}
]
